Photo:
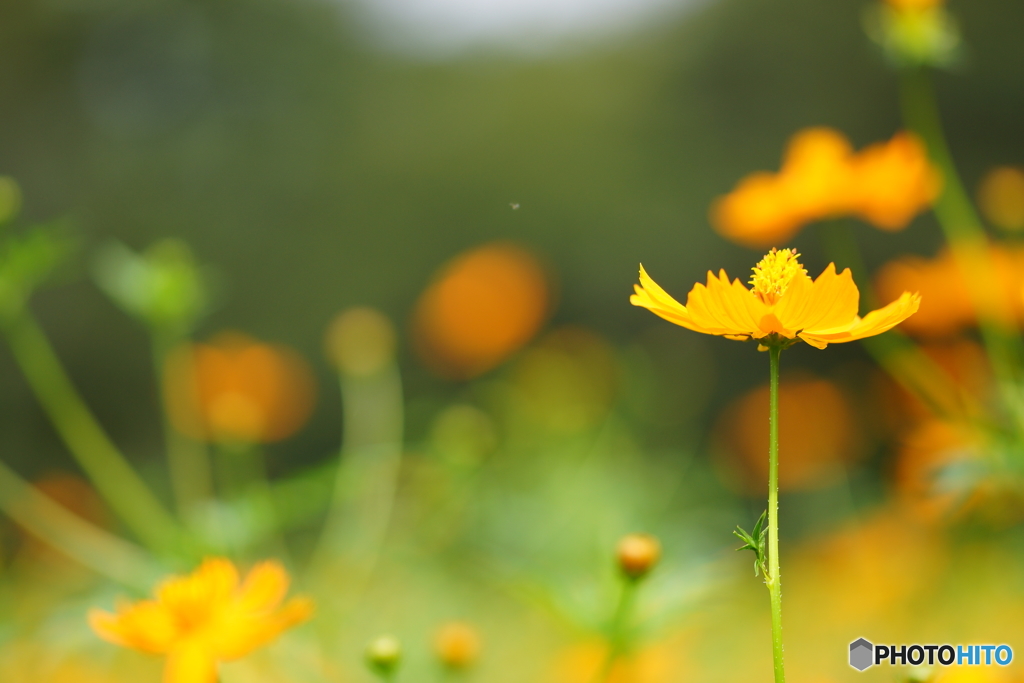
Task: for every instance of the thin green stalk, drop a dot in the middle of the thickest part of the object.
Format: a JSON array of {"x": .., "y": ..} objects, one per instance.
[
  {"x": 101, "y": 460},
  {"x": 367, "y": 474},
  {"x": 244, "y": 481},
  {"x": 774, "y": 578},
  {"x": 187, "y": 459},
  {"x": 963, "y": 229},
  {"x": 618, "y": 628},
  {"x": 90, "y": 545}
]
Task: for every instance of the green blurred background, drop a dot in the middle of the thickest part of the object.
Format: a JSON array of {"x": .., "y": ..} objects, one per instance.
[{"x": 319, "y": 162}]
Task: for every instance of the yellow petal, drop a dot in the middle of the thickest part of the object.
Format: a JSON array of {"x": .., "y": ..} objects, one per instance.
[
  {"x": 146, "y": 626},
  {"x": 831, "y": 302},
  {"x": 874, "y": 323},
  {"x": 214, "y": 581},
  {"x": 190, "y": 663},
  {"x": 716, "y": 308},
  {"x": 242, "y": 632},
  {"x": 652, "y": 297},
  {"x": 264, "y": 588}
]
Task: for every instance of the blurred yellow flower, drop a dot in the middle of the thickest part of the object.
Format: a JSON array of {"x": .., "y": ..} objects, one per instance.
[
  {"x": 783, "y": 302},
  {"x": 1001, "y": 197},
  {"x": 886, "y": 184},
  {"x": 207, "y": 617},
  {"x": 948, "y": 306},
  {"x": 869, "y": 569},
  {"x": 236, "y": 389},
  {"x": 483, "y": 306}
]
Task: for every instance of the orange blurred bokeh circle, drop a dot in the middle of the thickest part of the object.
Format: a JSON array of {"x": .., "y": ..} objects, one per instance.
[
  {"x": 817, "y": 435},
  {"x": 484, "y": 305},
  {"x": 1001, "y": 197}
]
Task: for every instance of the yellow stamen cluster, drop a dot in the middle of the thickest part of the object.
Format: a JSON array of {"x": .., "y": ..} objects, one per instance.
[{"x": 774, "y": 272}]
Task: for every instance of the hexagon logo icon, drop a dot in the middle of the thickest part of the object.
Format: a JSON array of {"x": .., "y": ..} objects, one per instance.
[{"x": 861, "y": 652}]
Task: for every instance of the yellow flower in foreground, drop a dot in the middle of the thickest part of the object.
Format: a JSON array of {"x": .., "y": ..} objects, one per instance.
[
  {"x": 206, "y": 617},
  {"x": 783, "y": 304}
]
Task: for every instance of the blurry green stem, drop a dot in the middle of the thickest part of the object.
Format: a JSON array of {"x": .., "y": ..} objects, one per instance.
[
  {"x": 244, "y": 481},
  {"x": 961, "y": 225},
  {"x": 366, "y": 479},
  {"x": 187, "y": 459},
  {"x": 618, "y": 628},
  {"x": 113, "y": 477},
  {"x": 95, "y": 548},
  {"x": 774, "y": 577}
]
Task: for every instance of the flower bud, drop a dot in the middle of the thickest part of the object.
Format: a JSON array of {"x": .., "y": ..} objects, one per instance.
[
  {"x": 637, "y": 554},
  {"x": 383, "y": 655},
  {"x": 457, "y": 645}
]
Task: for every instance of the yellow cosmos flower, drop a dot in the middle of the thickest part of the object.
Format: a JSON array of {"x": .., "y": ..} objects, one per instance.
[
  {"x": 821, "y": 177},
  {"x": 783, "y": 305},
  {"x": 206, "y": 617}
]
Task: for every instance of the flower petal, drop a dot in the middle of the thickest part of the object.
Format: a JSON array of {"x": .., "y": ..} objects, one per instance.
[
  {"x": 874, "y": 323},
  {"x": 264, "y": 588},
  {"x": 242, "y": 632},
  {"x": 655, "y": 299},
  {"x": 146, "y": 626},
  {"x": 831, "y": 302},
  {"x": 190, "y": 663}
]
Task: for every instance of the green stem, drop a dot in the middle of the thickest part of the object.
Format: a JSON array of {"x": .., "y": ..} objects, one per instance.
[
  {"x": 187, "y": 459},
  {"x": 94, "y": 547},
  {"x": 618, "y": 628},
  {"x": 244, "y": 481},
  {"x": 774, "y": 578},
  {"x": 101, "y": 460},
  {"x": 962, "y": 228},
  {"x": 366, "y": 478}
]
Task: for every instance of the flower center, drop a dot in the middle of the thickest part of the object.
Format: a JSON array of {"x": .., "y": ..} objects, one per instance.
[{"x": 773, "y": 274}]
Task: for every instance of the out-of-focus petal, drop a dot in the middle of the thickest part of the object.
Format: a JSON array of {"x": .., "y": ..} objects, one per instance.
[
  {"x": 146, "y": 626},
  {"x": 190, "y": 663}
]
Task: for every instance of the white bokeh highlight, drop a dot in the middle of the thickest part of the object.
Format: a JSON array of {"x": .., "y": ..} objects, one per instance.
[{"x": 526, "y": 25}]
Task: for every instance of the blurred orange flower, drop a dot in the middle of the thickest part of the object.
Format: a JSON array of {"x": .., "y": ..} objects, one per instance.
[
  {"x": 483, "y": 306},
  {"x": 892, "y": 182},
  {"x": 886, "y": 184},
  {"x": 929, "y": 449},
  {"x": 914, "y": 5},
  {"x": 457, "y": 644},
  {"x": 783, "y": 301},
  {"x": 817, "y": 432},
  {"x": 1001, "y": 197},
  {"x": 205, "y": 618},
  {"x": 947, "y": 306},
  {"x": 235, "y": 389}
]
